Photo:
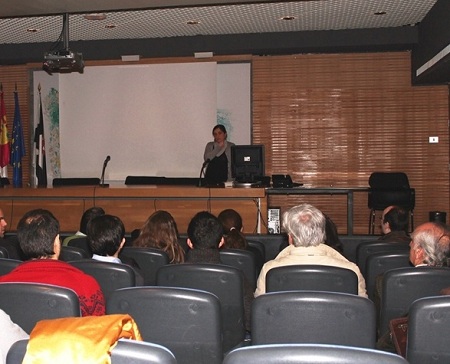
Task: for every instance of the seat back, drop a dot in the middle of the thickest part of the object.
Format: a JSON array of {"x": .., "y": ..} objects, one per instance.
[
  {"x": 7, "y": 265},
  {"x": 310, "y": 353},
  {"x": 243, "y": 260},
  {"x": 402, "y": 286},
  {"x": 69, "y": 253},
  {"x": 273, "y": 243},
  {"x": 28, "y": 303},
  {"x": 223, "y": 281},
  {"x": 313, "y": 317},
  {"x": 378, "y": 263},
  {"x": 311, "y": 278},
  {"x": 149, "y": 261},
  {"x": 367, "y": 248},
  {"x": 428, "y": 326},
  {"x": 186, "y": 321},
  {"x": 110, "y": 276},
  {"x": 4, "y": 252},
  {"x": 81, "y": 243},
  {"x": 125, "y": 352},
  {"x": 257, "y": 245}
]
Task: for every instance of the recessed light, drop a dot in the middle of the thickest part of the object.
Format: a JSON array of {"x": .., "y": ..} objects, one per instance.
[
  {"x": 380, "y": 13},
  {"x": 193, "y": 22},
  {"x": 95, "y": 16},
  {"x": 288, "y": 17},
  {"x": 110, "y": 26}
]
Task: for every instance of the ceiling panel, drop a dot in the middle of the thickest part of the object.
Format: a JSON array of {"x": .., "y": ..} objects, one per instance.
[{"x": 234, "y": 18}]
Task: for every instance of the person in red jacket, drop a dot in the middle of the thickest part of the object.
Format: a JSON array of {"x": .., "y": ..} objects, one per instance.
[{"x": 38, "y": 235}]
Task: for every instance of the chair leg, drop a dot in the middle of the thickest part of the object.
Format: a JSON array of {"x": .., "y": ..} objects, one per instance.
[
  {"x": 411, "y": 215},
  {"x": 372, "y": 222}
]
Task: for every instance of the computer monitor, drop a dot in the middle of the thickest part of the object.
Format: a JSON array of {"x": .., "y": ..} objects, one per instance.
[{"x": 247, "y": 163}]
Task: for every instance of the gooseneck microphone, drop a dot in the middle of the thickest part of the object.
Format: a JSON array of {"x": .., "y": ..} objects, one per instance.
[
  {"x": 205, "y": 163},
  {"x": 102, "y": 178}
]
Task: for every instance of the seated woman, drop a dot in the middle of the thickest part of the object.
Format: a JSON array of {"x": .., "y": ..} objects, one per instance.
[
  {"x": 232, "y": 229},
  {"x": 160, "y": 232}
]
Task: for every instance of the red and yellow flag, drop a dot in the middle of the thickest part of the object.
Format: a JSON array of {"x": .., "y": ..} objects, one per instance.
[{"x": 4, "y": 142}]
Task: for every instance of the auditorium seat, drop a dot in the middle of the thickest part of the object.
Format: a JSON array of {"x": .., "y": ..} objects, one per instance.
[
  {"x": 313, "y": 317},
  {"x": 186, "y": 321},
  {"x": 28, "y": 303},
  {"x": 310, "y": 354}
]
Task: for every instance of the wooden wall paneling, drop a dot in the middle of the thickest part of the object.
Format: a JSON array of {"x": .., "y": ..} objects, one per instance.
[{"x": 333, "y": 119}]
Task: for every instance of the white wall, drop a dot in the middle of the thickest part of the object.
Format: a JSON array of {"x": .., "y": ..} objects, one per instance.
[{"x": 152, "y": 120}]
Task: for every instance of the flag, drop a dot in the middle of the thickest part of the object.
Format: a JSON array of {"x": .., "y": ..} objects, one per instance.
[
  {"x": 4, "y": 143},
  {"x": 39, "y": 143},
  {"x": 17, "y": 144}
]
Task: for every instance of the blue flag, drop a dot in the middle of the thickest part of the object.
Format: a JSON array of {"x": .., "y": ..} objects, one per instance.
[{"x": 17, "y": 144}]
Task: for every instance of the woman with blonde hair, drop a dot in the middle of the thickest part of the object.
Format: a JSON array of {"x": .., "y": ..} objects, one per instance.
[{"x": 160, "y": 232}]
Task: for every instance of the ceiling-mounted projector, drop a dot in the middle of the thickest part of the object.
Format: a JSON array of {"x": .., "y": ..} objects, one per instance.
[{"x": 63, "y": 61}]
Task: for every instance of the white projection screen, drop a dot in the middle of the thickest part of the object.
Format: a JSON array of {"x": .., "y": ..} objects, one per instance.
[{"x": 152, "y": 120}]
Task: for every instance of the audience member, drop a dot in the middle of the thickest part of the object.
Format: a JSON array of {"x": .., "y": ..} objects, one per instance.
[
  {"x": 9, "y": 334},
  {"x": 232, "y": 228},
  {"x": 332, "y": 236},
  {"x": 430, "y": 245},
  {"x": 106, "y": 238},
  {"x": 38, "y": 234},
  {"x": 394, "y": 225},
  {"x": 205, "y": 237},
  {"x": 160, "y": 232},
  {"x": 11, "y": 244},
  {"x": 3, "y": 224},
  {"x": 87, "y": 216},
  {"x": 305, "y": 226}
]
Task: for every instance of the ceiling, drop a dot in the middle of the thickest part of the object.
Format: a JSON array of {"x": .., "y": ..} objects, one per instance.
[{"x": 37, "y": 21}]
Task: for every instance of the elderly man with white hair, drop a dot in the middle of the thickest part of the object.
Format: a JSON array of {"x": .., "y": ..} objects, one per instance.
[{"x": 305, "y": 226}]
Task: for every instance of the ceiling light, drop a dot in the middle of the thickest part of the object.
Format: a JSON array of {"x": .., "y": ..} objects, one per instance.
[
  {"x": 288, "y": 17},
  {"x": 95, "y": 16}
]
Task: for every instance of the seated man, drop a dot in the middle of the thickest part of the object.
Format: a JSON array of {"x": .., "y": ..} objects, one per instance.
[
  {"x": 38, "y": 234},
  {"x": 205, "y": 237},
  {"x": 11, "y": 244},
  {"x": 305, "y": 226},
  {"x": 394, "y": 225},
  {"x": 87, "y": 216},
  {"x": 106, "y": 237},
  {"x": 9, "y": 334}
]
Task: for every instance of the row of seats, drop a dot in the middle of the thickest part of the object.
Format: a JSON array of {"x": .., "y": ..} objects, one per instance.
[
  {"x": 188, "y": 321},
  {"x": 400, "y": 286},
  {"x": 147, "y": 353}
]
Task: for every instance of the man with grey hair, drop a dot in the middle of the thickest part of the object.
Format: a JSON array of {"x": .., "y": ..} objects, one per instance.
[
  {"x": 430, "y": 245},
  {"x": 305, "y": 226}
]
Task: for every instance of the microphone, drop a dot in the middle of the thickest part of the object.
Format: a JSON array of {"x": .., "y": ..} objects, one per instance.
[
  {"x": 102, "y": 179},
  {"x": 205, "y": 163}
]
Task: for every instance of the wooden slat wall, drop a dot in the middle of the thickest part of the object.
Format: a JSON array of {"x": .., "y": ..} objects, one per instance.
[
  {"x": 333, "y": 119},
  {"x": 328, "y": 119}
]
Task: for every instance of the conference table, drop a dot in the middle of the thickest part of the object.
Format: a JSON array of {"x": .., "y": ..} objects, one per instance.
[
  {"x": 349, "y": 191},
  {"x": 135, "y": 203}
]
